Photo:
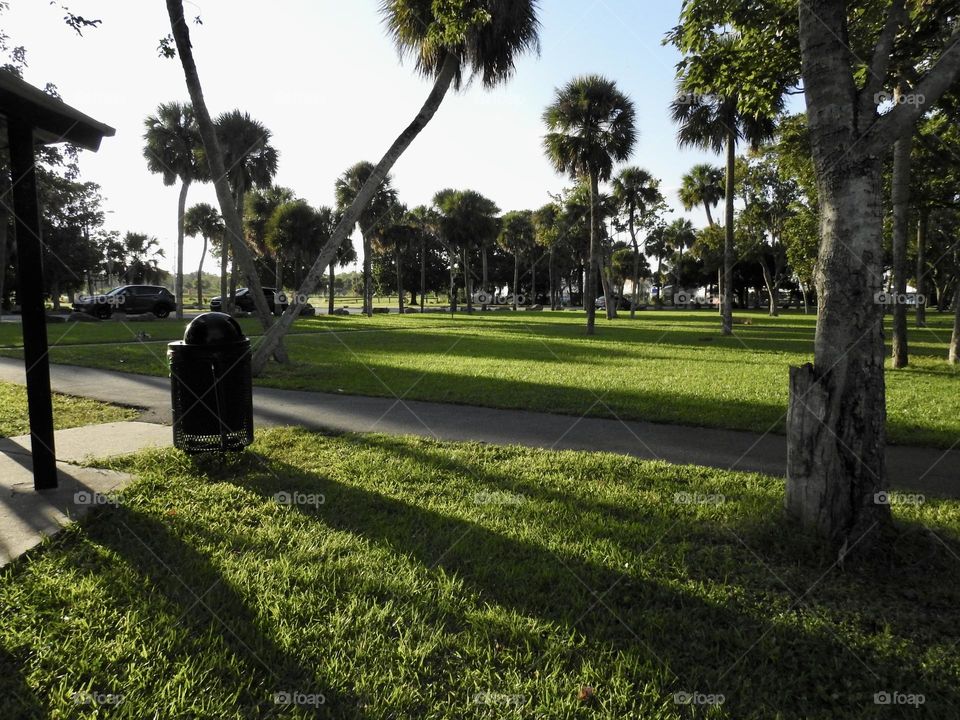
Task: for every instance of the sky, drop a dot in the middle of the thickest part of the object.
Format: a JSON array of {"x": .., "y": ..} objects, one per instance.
[{"x": 325, "y": 79}]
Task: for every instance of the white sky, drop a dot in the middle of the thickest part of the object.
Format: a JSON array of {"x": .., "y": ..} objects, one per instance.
[{"x": 322, "y": 75}]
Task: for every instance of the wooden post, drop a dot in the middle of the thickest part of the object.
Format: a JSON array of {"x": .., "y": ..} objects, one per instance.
[{"x": 30, "y": 295}]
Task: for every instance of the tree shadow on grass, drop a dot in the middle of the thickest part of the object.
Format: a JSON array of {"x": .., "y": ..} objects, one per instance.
[
  {"x": 181, "y": 605},
  {"x": 763, "y": 665}
]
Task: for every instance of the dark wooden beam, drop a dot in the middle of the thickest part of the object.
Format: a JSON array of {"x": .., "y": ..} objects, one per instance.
[{"x": 30, "y": 294}]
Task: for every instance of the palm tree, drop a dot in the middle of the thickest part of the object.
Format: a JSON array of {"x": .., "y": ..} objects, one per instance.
[
  {"x": 258, "y": 207},
  {"x": 346, "y": 254},
  {"x": 518, "y": 236},
  {"x": 637, "y": 194},
  {"x": 141, "y": 253},
  {"x": 679, "y": 235},
  {"x": 204, "y": 220},
  {"x": 546, "y": 223},
  {"x": 214, "y": 164},
  {"x": 172, "y": 140},
  {"x": 590, "y": 127},
  {"x": 451, "y": 43},
  {"x": 250, "y": 161},
  {"x": 370, "y": 220},
  {"x": 427, "y": 222},
  {"x": 468, "y": 220},
  {"x": 715, "y": 122},
  {"x": 702, "y": 186}
]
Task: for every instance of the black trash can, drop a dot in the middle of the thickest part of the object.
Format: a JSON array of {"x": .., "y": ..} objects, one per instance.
[{"x": 211, "y": 386}]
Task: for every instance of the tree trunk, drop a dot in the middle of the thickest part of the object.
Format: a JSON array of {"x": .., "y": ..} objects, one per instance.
[
  {"x": 836, "y": 422},
  {"x": 224, "y": 254},
  {"x": 605, "y": 284},
  {"x": 706, "y": 206},
  {"x": 423, "y": 272},
  {"x": 4, "y": 224},
  {"x": 901, "y": 208},
  {"x": 533, "y": 284},
  {"x": 954, "y": 353},
  {"x": 772, "y": 288},
  {"x": 467, "y": 278},
  {"x": 803, "y": 292},
  {"x": 441, "y": 85},
  {"x": 516, "y": 279},
  {"x": 551, "y": 275},
  {"x": 590, "y": 291},
  {"x": 234, "y": 225},
  {"x": 727, "y": 320},
  {"x": 400, "y": 278},
  {"x": 367, "y": 276},
  {"x": 181, "y": 211},
  {"x": 332, "y": 288},
  {"x": 922, "y": 222},
  {"x": 636, "y": 268},
  {"x": 486, "y": 278},
  {"x": 203, "y": 256}
]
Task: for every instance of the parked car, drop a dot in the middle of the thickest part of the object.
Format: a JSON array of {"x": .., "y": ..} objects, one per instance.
[
  {"x": 622, "y": 303},
  {"x": 130, "y": 299},
  {"x": 245, "y": 300}
]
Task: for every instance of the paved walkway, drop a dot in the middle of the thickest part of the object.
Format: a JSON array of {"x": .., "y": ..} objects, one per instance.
[
  {"x": 26, "y": 517},
  {"x": 923, "y": 470}
]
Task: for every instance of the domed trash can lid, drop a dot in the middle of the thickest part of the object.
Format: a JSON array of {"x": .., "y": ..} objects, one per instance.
[{"x": 213, "y": 328}]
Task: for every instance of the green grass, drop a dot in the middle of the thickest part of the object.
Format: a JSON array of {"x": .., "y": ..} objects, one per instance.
[
  {"x": 665, "y": 366},
  {"x": 67, "y": 411},
  {"x": 468, "y": 581}
]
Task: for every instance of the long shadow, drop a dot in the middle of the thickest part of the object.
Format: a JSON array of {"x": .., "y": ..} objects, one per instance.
[
  {"x": 697, "y": 645},
  {"x": 175, "y": 577},
  {"x": 17, "y": 699}
]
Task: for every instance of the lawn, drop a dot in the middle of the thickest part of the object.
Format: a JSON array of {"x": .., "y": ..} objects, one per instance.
[
  {"x": 67, "y": 411},
  {"x": 413, "y": 579},
  {"x": 667, "y": 366}
]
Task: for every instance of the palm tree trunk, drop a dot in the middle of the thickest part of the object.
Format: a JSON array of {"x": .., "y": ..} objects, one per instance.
[
  {"x": 773, "y": 288},
  {"x": 551, "y": 270},
  {"x": 224, "y": 254},
  {"x": 901, "y": 200},
  {"x": 203, "y": 255},
  {"x": 706, "y": 206},
  {"x": 208, "y": 134},
  {"x": 516, "y": 279},
  {"x": 636, "y": 268},
  {"x": 332, "y": 287},
  {"x": 440, "y": 87},
  {"x": 400, "y": 278},
  {"x": 423, "y": 272},
  {"x": 367, "y": 276},
  {"x": 486, "y": 286},
  {"x": 181, "y": 211},
  {"x": 954, "y": 353},
  {"x": 590, "y": 292},
  {"x": 467, "y": 278},
  {"x": 533, "y": 284},
  {"x": 922, "y": 221},
  {"x": 727, "y": 320}
]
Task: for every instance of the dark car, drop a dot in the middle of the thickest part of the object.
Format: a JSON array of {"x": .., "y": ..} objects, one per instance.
[
  {"x": 245, "y": 300},
  {"x": 130, "y": 299}
]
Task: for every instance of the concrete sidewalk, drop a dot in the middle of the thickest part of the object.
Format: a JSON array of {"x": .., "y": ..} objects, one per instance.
[
  {"x": 921, "y": 470},
  {"x": 26, "y": 516}
]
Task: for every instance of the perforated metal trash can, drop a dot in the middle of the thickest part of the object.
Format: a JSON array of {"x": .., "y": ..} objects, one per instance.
[{"x": 211, "y": 386}]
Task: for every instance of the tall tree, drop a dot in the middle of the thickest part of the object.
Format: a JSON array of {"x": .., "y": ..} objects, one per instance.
[
  {"x": 180, "y": 32},
  {"x": 251, "y": 161},
  {"x": 450, "y": 42},
  {"x": 517, "y": 237},
  {"x": 547, "y": 229},
  {"x": 203, "y": 219},
  {"x": 172, "y": 139},
  {"x": 590, "y": 127},
  {"x": 372, "y": 218},
  {"x": 468, "y": 221},
  {"x": 836, "y": 421},
  {"x": 638, "y": 197}
]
